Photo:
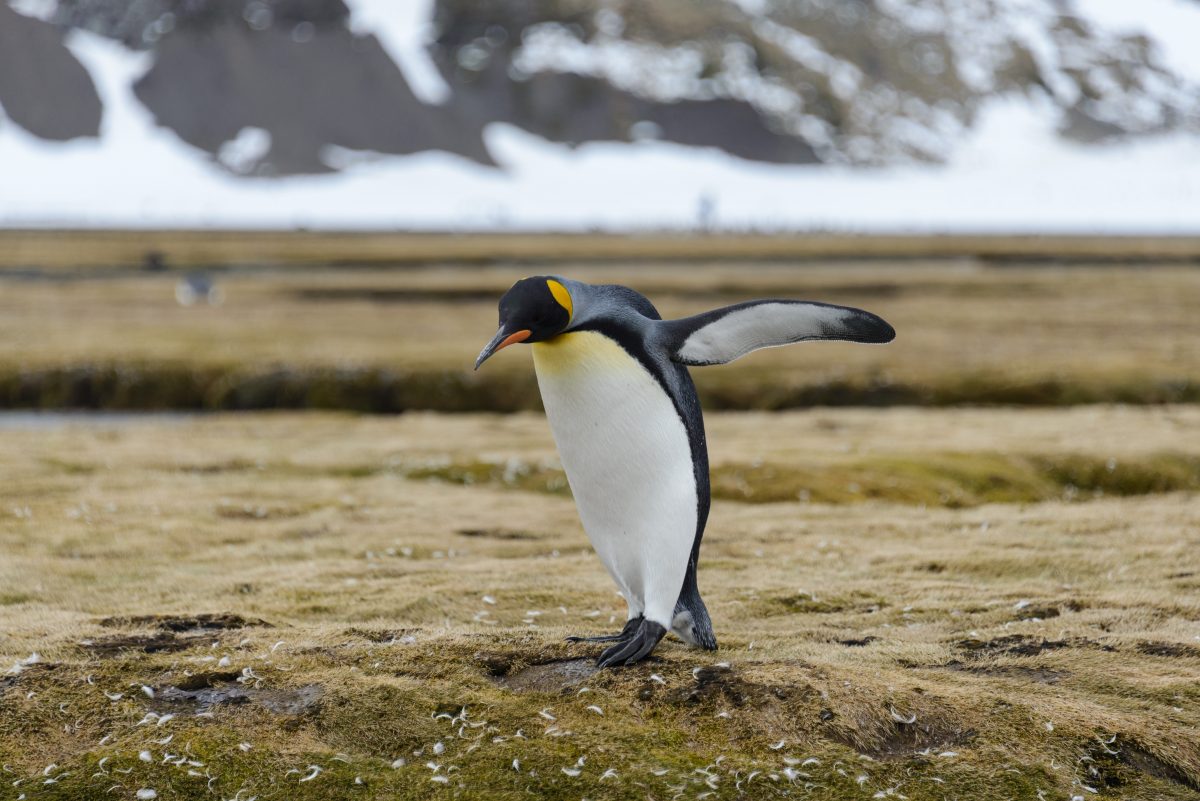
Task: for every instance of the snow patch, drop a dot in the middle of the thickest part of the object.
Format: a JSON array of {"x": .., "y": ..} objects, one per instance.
[
  {"x": 244, "y": 152},
  {"x": 405, "y": 30},
  {"x": 1173, "y": 25}
]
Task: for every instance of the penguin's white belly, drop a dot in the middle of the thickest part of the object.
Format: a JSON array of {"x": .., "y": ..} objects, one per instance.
[{"x": 627, "y": 457}]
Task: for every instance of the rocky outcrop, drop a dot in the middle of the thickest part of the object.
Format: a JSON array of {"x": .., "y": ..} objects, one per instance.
[
  {"x": 331, "y": 88},
  {"x": 862, "y": 82},
  {"x": 43, "y": 88}
]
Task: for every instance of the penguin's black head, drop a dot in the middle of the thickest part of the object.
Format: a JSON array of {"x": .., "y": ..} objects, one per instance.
[{"x": 534, "y": 310}]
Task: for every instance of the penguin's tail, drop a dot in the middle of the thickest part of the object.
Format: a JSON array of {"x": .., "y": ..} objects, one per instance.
[{"x": 691, "y": 622}]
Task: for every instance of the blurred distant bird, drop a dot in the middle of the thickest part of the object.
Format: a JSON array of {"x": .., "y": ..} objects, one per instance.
[
  {"x": 624, "y": 412},
  {"x": 196, "y": 288}
]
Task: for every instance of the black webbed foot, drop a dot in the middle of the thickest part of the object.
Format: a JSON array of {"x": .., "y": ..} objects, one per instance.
[
  {"x": 631, "y": 626},
  {"x": 636, "y": 648}
]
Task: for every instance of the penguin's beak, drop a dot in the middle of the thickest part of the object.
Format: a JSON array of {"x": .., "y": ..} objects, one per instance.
[{"x": 502, "y": 340}]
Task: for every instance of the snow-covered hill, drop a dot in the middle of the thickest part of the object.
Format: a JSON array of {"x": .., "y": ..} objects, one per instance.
[{"x": 996, "y": 115}]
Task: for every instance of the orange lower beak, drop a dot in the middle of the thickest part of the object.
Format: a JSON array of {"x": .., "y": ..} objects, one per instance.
[{"x": 501, "y": 341}]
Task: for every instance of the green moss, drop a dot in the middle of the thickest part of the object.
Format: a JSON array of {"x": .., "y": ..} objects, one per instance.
[
  {"x": 376, "y": 389},
  {"x": 948, "y": 480}
]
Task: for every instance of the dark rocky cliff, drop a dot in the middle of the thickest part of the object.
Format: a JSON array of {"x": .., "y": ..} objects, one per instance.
[{"x": 855, "y": 81}]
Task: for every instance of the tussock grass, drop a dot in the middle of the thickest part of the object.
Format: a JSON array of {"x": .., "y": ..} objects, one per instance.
[{"x": 293, "y": 600}]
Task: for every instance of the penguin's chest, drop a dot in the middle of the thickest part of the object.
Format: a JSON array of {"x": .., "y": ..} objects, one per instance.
[{"x": 622, "y": 443}]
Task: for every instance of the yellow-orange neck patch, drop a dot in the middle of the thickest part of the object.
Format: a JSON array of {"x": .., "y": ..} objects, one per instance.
[{"x": 563, "y": 297}]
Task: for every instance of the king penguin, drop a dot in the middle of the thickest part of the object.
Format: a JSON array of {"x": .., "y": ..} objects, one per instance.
[{"x": 624, "y": 413}]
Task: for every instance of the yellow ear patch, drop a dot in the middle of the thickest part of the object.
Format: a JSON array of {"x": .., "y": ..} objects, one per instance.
[{"x": 563, "y": 297}]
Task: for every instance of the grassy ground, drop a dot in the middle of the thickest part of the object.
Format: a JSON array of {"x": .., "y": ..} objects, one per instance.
[
  {"x": 68, "y": 250},
  {"x": 320, "y": 606},
  {"x": 394, "y": 340}
]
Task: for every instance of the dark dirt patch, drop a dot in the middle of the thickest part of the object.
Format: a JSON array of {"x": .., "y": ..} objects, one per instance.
[
  {"x": 201, "y": 622},
  {"x": 1038, "y": 675},
  {"x": 720, "y": 684},
  {"x": 1141, "y": 759},
  {"x": 9, "y": 681},
  {"x": 1169, "y": 649},
  {"x": 902, "y": 740},
  {"x": 498, "y": 533},
  {"x": 1038, "y": 612},
  {"x": 1019, "y": 645},
  {"x": 164, "y": 642},
  {"x": 549, "y": 677},
  {"x": 1119, "y": 762},
  {"x": 857, "y": 643},
  {"x": 497, "y": 663},
  {"x": 1014, "y": 645},
  {"x": 202, "y": 681},
  {"x": 211, "y": 690}
]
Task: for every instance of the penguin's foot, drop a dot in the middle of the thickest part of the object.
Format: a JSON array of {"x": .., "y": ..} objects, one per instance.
[
  {"x": 636, "y": 648},
  {"x": 630, "y": 629}
]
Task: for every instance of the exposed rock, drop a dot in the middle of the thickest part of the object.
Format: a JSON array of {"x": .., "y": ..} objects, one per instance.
[
  {"x": 43, "y": 87},
  {"x": 333, "y": 89},
  {"x": 274, "y": 88}
]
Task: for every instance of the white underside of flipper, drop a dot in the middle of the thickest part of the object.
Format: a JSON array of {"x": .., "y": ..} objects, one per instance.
[{"x": 628, "y": 460}]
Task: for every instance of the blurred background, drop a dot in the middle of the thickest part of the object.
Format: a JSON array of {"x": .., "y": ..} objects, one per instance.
[
  {"x": 755, "y": 115},
  {"x": 241, "y": 204}
]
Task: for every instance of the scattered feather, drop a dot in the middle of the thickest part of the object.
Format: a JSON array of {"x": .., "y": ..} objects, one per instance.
[
  {"x": 145, "y": 756},
  {"x": 596, "y": 709},
  {"x": 20, "y": 665},
  {"x": 146, "y": 794},
  {"x": 778, "y": 745},
  {"x": 313, "y": 772},
  {"x": 440, "y": 779}
]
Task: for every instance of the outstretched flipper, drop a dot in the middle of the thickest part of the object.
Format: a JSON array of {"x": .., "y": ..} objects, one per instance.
[
  {"x": 722, "y": 335},
  {"x": 636, "y": 648},
  {"x": 623, "y": 635}
]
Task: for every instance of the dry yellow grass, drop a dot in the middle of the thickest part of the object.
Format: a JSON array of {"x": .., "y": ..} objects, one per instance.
[
  {"x": 73, "y": 249},
  {"x": 390, "y": 340},
  {"x": 1025, "y": 651}
]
